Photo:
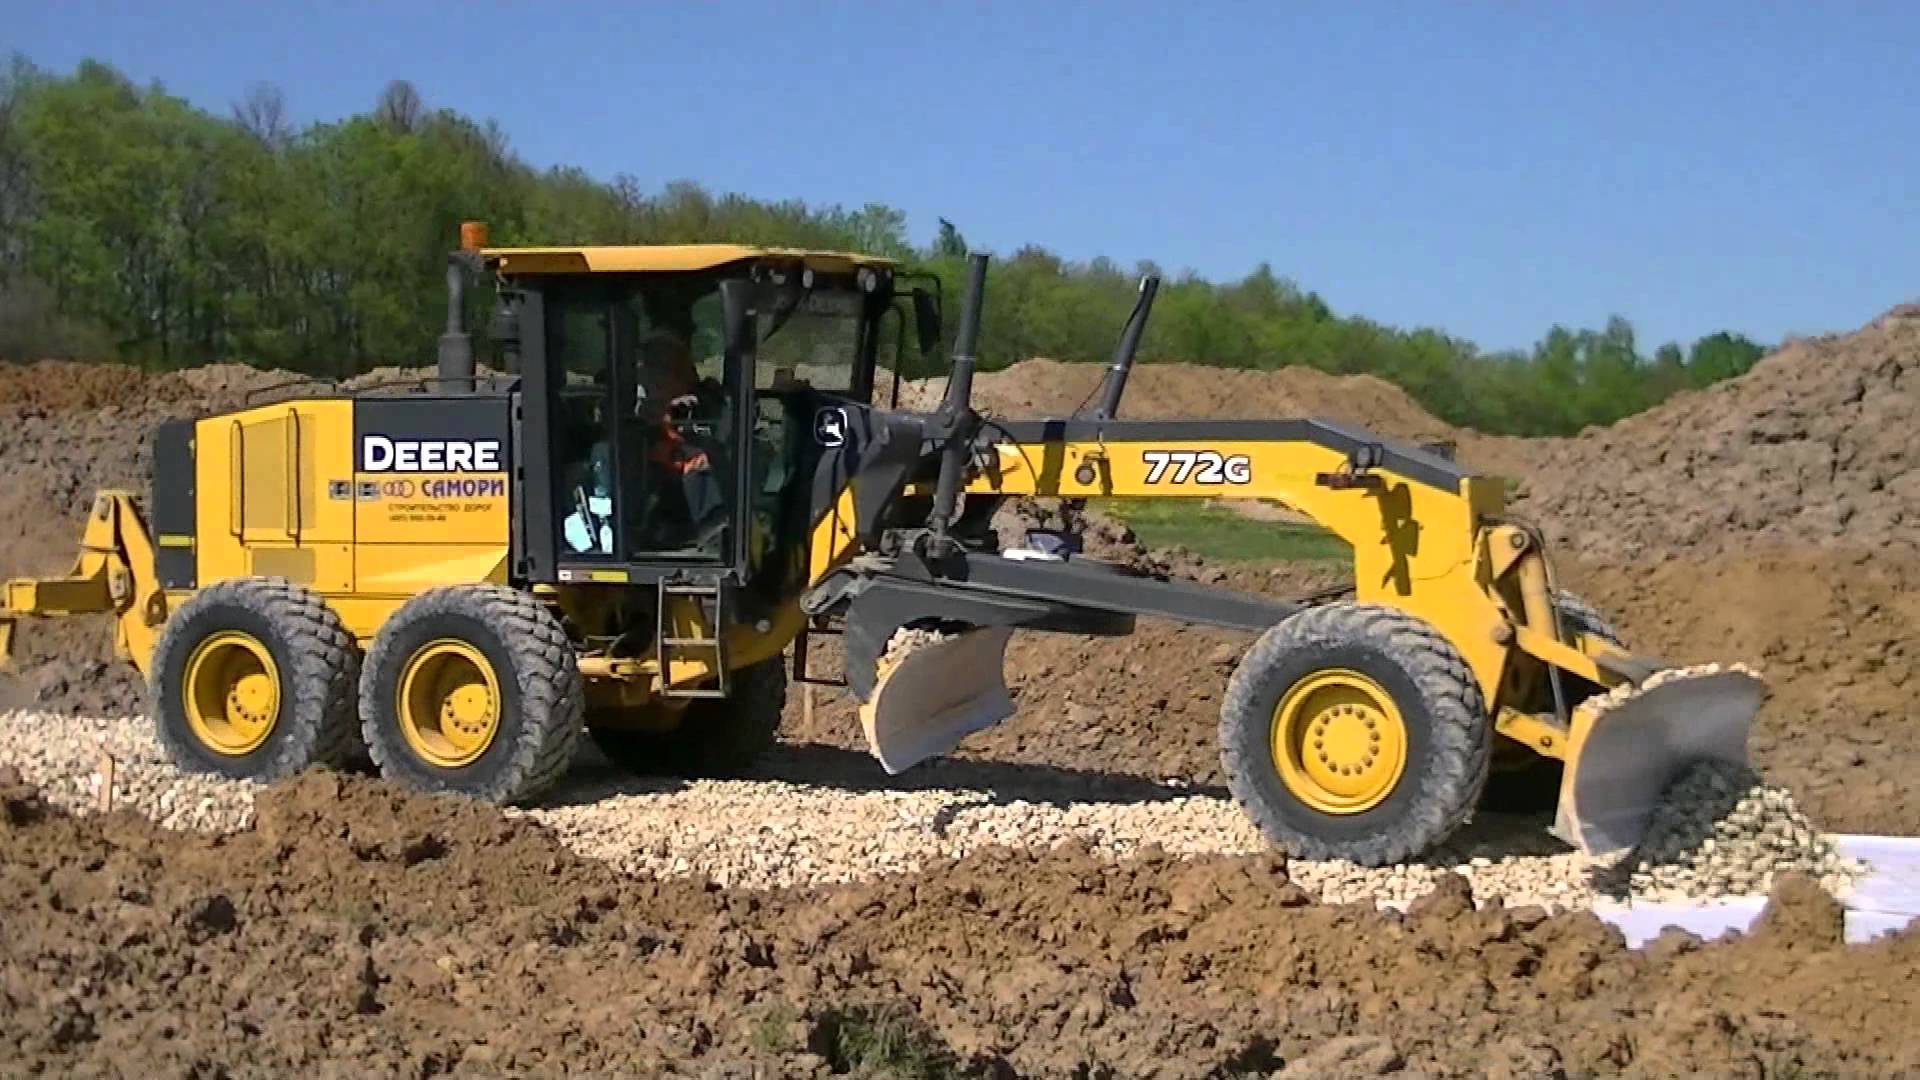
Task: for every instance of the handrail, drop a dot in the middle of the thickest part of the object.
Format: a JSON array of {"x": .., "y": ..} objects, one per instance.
[
  {"x": 236, "y": 453},
  {"x": 293, "y": 475}
]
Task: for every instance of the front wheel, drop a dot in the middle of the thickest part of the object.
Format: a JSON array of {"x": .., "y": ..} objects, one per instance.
[{"x": 1355, "y": 732}]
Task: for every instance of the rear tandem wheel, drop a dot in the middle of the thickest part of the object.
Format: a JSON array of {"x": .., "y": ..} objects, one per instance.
[
  {"x": 472, "y": 689},
  {"x": 253, "y": 678}
]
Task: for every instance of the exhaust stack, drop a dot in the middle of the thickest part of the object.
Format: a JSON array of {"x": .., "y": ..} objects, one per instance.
[{"x": 456, "y": 345}]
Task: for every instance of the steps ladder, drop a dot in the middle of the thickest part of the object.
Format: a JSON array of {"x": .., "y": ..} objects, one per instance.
[{"x": 668, "y": 648}]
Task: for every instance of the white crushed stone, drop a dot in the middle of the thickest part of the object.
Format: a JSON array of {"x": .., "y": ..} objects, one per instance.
[
  {"x": 814, "y": 815},
  {"x": 1720, "y": 830}
]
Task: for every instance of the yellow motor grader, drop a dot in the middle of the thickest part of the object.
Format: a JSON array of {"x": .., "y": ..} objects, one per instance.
[{"x": 683, "y": 475}]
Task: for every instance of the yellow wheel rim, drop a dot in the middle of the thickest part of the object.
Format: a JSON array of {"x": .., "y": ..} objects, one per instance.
[
  {"x": 231, "y": 692},
  {"x": 448, "y": 703},
  {"x": 1339, "y": 742}
]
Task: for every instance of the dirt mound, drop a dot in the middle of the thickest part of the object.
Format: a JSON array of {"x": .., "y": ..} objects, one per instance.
[
  {"x": 362, "y": 930},
  {"x": 68, "y": 430},
  {"x": 62, "y": 386},
  {"x": 1816, "y": 445},
  {"x": 1833, "y": 637},
  {"x": 1039, "y": 387}
]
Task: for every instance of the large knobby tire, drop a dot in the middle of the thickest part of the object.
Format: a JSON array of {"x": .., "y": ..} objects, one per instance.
[
  {"x": 1533, "y": 786},
  {"x": 1346, "y": 665},
  {"x": 472, "y": 689},
  {"x": 1579, "y": 617},
  {"x": 715, "y": 736},
  {"x": 254, "y": 678}
]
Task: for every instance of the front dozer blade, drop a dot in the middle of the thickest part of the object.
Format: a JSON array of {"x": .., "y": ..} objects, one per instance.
[
  {"x": 924, "y": 703},
  {"x": 1630, "y": 744}
]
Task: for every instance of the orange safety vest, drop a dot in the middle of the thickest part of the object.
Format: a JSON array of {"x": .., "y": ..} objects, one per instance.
[{"x": 673, "y": 452}]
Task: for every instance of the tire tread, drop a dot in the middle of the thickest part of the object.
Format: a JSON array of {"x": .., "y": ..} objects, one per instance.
[
  {"x": 321, "y": 727},
  {"x": 546, "y": 673},
  {"x": 1462, "y": 744}
]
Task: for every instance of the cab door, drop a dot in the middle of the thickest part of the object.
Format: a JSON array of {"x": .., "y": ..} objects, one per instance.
[{"x": 620, "y": 488}]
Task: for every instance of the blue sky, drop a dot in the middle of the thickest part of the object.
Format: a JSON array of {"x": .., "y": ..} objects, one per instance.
[{"x": 1488, "y": 169}]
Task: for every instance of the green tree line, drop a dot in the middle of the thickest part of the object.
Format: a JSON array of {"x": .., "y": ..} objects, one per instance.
[{"x": 136, "y": 226}]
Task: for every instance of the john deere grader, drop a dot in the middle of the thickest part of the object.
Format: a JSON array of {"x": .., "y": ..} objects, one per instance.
[{"x": 683, "y": 475}]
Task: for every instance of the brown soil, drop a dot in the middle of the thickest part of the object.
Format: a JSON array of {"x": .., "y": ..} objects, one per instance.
[
  {"x": 1034, "y": 388},
  {"x": 70, "y": 429},
  {"x": 1818, "y": 444},
  {"x": 360, "y": 931},
  {"x": 1832, "y": 632}
]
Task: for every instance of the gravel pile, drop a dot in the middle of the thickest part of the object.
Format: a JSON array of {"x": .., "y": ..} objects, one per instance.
[
  {"x": 815, "y": 815},
  {"x": 1721, "y": 831},
  {"x": 61, "y": 755},
  {"x": 908, "y": 640}
]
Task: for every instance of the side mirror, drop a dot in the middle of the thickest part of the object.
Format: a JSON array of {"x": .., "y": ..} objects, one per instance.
[
  {"x": 504, "y": 331},
  {"x": 505, "y": 327},
  {"x": 926, "y": 321}
]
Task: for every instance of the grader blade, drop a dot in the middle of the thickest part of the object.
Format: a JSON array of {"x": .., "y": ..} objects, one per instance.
[
  {"x": 1629, "y": 745},
  {"x": 927, "y": 700}
]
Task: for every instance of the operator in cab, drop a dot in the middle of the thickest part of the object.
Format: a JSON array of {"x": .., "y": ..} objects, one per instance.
[
  {"x": 673, "y": 498},
  {"x": 682, "y": 412}
]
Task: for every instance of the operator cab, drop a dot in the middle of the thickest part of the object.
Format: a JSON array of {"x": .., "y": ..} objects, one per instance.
[{"x": 680, "y": 437}]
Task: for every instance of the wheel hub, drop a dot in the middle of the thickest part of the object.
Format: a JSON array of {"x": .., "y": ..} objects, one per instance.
[
  {"x": 231, "y": 691},
  {"x": 1339, "y": 743},
  {"x": 449, "y": 703}
]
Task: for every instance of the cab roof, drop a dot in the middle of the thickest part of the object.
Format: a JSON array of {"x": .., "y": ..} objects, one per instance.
[{"x": 662, "y": 258}]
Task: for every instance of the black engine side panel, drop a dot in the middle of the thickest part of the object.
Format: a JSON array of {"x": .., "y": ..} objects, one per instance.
[{"x": 171, "y": 504}]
